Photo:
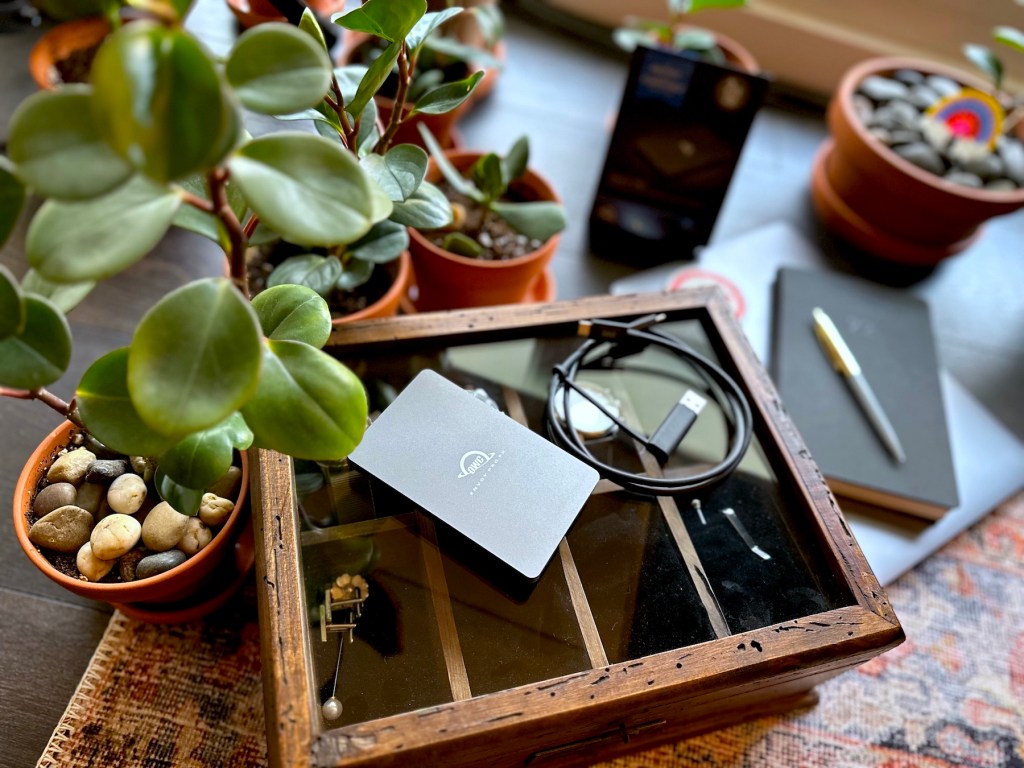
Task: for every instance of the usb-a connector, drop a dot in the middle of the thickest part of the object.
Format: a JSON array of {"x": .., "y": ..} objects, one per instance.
[{"x": 673, "y": 429}]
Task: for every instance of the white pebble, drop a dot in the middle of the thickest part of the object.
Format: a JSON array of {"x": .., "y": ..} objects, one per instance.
[
  {"x": 214, "y": 510},
  {"x": 197, "y": 535},
  {"x": 91, "y": 566},
  {"x": 115, "y": 535},
  {"x": 126, "y": 494}
]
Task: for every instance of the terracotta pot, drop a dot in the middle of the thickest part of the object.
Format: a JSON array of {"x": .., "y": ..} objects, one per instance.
[
  {"x": 448, "y": 281},
  {"x": 174, "y": 585},
  {"x": 388, "y": 304},
  {"x": 59, "y": 43},
  {"x": 885, "y": 205}
]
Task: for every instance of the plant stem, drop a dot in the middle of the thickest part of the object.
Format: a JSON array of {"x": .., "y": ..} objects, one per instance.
[
  {"x": 46, "y": 397},
  {"x": 250, "y": 226},
  {"x": 338, "y": 105},
  {"x": 404, "y": 78},
  {"x": 218, "y": 179},
  {"x": 195, "y": 201}
]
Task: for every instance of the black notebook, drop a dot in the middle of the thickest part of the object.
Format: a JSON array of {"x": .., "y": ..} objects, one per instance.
[{"x": 890, "y": 334}]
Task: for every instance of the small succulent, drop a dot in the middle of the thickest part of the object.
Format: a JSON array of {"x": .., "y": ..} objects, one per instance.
[
  {"x": 675, "y": 34},
  {"x": 486, "y": 184},
  {"x": 985, "y": 59}
]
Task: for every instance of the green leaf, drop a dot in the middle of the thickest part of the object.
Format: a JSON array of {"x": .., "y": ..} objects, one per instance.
[
  {"x": 428, "y": 208},
  {"x": 488, "y": 176},
  {"x": 355, "y": 273},
  {"x": 491, "y": 21},
  {"x": 383, "y": 243},
  {"x": 374, "y": 78},
  {"x": 986, "y": 61},
  {"x": 318, "y": 273},
  {"x": 65, "y": 296},
  {"x": 349, "y": 80},
  {"x": 293, "y": 313},
  {"x": 1010, "y": 36},
  {"x": 184, "y": 500},
  {"x": 399, "y": 172},
  {"x": 195, "y": 357},
  {"x": 308, "y": 404},
  {"x": 448, "y": 97},
  {"x": 305, "y": 187},
  {"x": 59, "y": 150},
  {"x": 427, "y": 24},
  {"x": 202, "y": 458},
  {"x": 389, "y": 19},
  {"x": 12, "y": 199},
  {"x": 276, "y": 68},
  {"x": 107, "y": 409},
  {"x": 450, "y": 172},
  {"x": 539, "y": 221},
  {"x": 514, "y": 164},
  {"x": 39, "y": 353},
  {"x": 158, "y": 101},
  {"x": 311, "y": 27},
  {"x": 12, "y": 305},
  {"x": 94, "y": 239},
  {"x": 461, "y": 244}
]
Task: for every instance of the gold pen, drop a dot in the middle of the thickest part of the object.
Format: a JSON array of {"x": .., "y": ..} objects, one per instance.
[{"x": 843, "y": 361}]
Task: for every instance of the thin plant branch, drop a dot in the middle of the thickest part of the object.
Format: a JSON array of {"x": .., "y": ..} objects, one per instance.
[
  {"x": 218, "y": 179},
  {"x": 404, "y": 79}
]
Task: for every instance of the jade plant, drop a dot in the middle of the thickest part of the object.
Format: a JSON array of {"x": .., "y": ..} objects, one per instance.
[
  {"x": 347, "y": 115},
  {"x": 986, "y": 59},
  {"x": 676, "y": 34},
  {"x": 155, "y": 141},
  {"x": 486, "y": 185}
]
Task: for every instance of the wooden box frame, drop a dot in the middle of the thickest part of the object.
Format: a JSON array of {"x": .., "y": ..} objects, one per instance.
[{"x": 606, "y": 711}]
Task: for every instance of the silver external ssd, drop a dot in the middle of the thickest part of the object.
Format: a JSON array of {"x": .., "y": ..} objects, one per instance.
[{"x": 481, "y": 472}]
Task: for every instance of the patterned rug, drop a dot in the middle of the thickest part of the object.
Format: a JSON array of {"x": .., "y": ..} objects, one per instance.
[{"x": 951, "y": 695}]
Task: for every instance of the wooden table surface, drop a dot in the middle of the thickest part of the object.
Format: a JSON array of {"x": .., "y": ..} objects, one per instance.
[{"x": 562, "y": 92}]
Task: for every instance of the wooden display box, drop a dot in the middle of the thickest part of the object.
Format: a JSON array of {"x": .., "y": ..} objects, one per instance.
[{"x": 649, "y": 625}]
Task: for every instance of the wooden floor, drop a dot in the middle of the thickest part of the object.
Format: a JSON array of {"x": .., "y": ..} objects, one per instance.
[{"x": 563, "y": 93}]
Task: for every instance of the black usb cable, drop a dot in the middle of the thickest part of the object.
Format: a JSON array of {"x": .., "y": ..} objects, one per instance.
[{"x": 611, "y": 340}]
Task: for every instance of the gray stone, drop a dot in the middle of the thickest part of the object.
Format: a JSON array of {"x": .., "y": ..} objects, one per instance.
[
  {"x": 163, "y": 527},
  {"x": 115, "y": 535},
  {"x": 91, "y": 566},
  {"x": 90, "y": 497},
  {"x": 197, "y": 536},
  {"x": 53, "y": 496},
  {"x": 943, "y": 86},
  {"x": 883, "y": 89},
  {"x": 126, "y": 494},
  {"x": 105, "y": 470},
  {"x": 922, "y": 97},
  {"x": 884, "y": 135},
  {"x": 1001, "y": 185},
  {"x": 908, "y": 76},
  {"x": 153, "y": 565},
  {"x": 863, "y": 108},
  {"x": 897, "y": 115},
  {"x": 214, "y": 510},
  {"x": 987, "y": 167},
  {"x": 1012, "y": 153},
  {"x": 227, "y": 487},
  {"x": 964, "y": 179},
  {"x": 923, "y": 156},
  {"x": 65, "y": 529},
  {"x": 71, "y": 466},
  {"x": 904, "y": 137}
]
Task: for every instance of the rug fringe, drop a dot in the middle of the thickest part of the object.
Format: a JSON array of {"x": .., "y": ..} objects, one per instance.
[{"x": 95, "y": 671}]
